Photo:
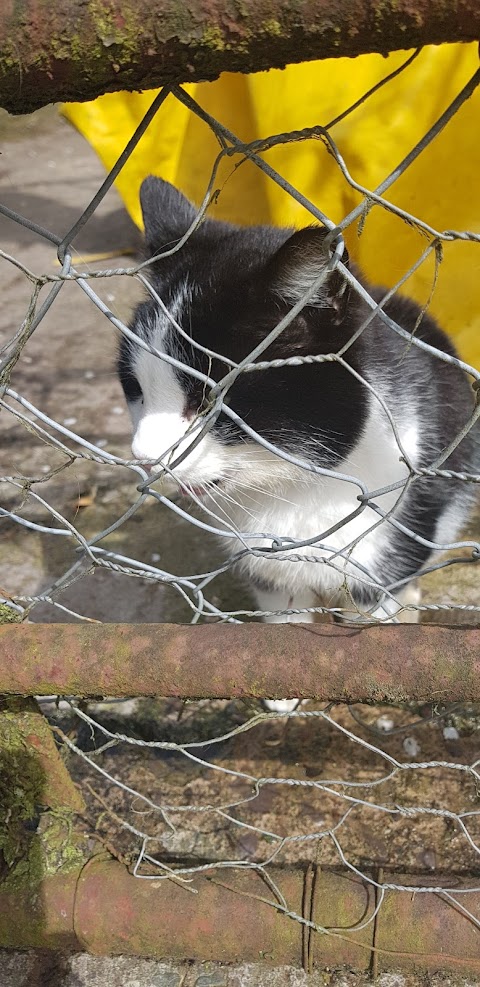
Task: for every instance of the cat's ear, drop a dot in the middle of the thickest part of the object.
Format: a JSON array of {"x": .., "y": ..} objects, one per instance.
[
  {"x": 297, "y": 265},
  {"x": 167, "y": 214}
]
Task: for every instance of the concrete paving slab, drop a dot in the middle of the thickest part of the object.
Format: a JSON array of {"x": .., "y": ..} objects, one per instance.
[{"x": 41, "y": 969}]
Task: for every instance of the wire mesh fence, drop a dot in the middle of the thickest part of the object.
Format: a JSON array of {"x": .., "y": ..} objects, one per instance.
[{"x": 193, "y": 788}]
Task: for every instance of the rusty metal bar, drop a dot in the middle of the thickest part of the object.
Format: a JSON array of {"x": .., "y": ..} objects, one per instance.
[
  {"x": 39, "y": 916},
  {"x": 319, "y": 661},
  {"x": 78, "y": 49},
  {"x": 104, "y": 910}
]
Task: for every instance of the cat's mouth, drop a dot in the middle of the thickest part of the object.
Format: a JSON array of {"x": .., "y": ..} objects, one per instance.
[
  {"x": 196, "y": 490},
  {"x": 199, "y": 490}
]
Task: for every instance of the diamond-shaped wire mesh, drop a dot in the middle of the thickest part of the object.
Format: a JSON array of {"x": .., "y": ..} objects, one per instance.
[{"x": 227, "y": 786}]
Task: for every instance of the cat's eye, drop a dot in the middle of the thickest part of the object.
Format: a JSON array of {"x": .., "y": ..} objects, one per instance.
[{"x": 131, "y": 387}]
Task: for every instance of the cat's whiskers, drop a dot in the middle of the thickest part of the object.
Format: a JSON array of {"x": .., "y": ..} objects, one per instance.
[
  {"x": 230, "y": 522},
  {"x": 228, "y": 497},
  {"x": 244, "y": 494},
  {"x": 208, "y": 486},
  {"x": 265, "y": 492},
  {"x": 267, "y": 488}
]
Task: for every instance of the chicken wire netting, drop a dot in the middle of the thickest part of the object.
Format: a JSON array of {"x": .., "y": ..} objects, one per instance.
[{"x": 183, "y": 788}]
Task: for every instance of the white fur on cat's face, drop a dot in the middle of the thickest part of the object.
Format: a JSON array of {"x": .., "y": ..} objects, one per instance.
[{"x": 163, "y": 430}]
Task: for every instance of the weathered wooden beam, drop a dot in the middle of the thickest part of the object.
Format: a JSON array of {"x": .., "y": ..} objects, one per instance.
[{"x": 78, "y": 49}]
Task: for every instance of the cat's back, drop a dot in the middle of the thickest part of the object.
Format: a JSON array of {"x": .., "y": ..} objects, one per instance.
[{"x": 422, "y": 388}]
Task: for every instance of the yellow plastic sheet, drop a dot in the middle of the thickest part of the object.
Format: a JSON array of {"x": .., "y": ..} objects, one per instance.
[{"x": 442, "y": 186}]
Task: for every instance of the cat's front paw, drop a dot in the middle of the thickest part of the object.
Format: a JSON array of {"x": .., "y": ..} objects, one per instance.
[{"x": 281, "y": 705}]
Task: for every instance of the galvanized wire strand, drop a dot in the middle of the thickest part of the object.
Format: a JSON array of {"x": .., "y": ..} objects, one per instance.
[
  {"x": 320, "y": 785},
  {"x": 69, "y": 237}
]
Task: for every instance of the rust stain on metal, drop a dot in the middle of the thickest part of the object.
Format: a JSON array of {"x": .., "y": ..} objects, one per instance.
[
  {"x": 166, "y": 920},
  {"x": 79, "y": 49},
  {"x": 379, "y": 663},
  {"x": 434, "y": 934},
  {"x": 226, "y": 921},
  {"x": 39, "y": 916}
]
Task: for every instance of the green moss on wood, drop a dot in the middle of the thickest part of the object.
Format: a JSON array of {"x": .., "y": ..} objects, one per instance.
[
  {"x": 37, "y": 836},
  {"x": 273, "y": 28},
  {"x": 53, "y": 850},
  {"x": 8, "y": 615},
  {"x": 109, "y": 31}
]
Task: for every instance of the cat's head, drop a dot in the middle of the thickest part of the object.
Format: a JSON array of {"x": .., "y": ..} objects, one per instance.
[{"x": 227, "y": 287}]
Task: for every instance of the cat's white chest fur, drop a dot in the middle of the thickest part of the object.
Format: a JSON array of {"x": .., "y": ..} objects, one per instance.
[{"x": 304, "y": 507}]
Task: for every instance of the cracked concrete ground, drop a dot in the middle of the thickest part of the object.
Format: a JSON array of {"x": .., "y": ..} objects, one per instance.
[{"x": 50, "y": 970}]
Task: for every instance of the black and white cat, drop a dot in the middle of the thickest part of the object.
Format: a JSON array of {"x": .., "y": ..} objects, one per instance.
[{"x": 228, "y": 287}]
